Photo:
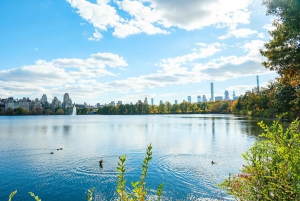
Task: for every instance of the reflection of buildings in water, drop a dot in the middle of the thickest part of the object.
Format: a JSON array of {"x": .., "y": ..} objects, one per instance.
[
  {"x": 213, "y": 129},
  {"x": 227, "y": 126},
  {"x": 54, "y": 129},
  {"x": 66, "y": 129}
]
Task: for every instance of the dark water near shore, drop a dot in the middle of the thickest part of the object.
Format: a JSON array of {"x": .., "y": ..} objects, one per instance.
[{"x": 183, "y": 148}]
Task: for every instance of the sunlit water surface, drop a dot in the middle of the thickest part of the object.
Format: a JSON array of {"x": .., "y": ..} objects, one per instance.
[{"x": 183, "y": 148}]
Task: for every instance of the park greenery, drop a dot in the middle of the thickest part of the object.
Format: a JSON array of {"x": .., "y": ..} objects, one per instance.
[{"x": 272, "y": 171}]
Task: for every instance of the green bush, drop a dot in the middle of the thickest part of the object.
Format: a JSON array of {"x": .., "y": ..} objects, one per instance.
[
  {"x": 139, "y": 191},
  {"x": 273, "y": 166}
]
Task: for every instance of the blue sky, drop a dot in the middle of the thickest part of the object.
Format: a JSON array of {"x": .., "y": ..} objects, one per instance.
[{"x": 113, "y": 50}]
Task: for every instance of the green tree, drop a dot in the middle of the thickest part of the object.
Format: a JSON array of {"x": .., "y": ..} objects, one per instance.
[
  {"x": 60, "y": 112},
  {"x": 162, "y": 108},
  {"x": 273, "y": 166},
  {"x": 48, "y": 112},
  {"x": 283, "y": 49}
]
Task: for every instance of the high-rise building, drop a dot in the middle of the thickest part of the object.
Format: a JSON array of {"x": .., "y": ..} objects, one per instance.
[
  {"x": 226, "y": 97},
  {"x": 257, "y": 82},
  {"x": 176, "y": 102},
  {"x": 189, "y": 99},
  {"x": 198, "y": 99},
  {"x": 234, "y": 97},
  {"x": 152, "y": 101},
  {"x": 146, "y": 101},
  {"x": 67, "y": 102},
  {"x": 212, "y": 98},
  {"x": 44, "y": 99},
  {"x": 55, "y": 103},
  {"x": 204, "y": 98},
  {"x": 160, "y": 102}
]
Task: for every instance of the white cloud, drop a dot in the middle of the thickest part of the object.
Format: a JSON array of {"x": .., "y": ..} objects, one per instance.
[
  {"x": 80, "y": 77},
  {"x": 96, "y": 36},
  {"x": 99, "y": 60},
  {"x": 157, "y": 16},
  {"x": 241, "y": 33},
  {"x": 50, "y": 76}
]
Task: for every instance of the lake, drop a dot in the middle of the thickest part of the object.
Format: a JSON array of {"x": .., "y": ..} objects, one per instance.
[{"x": 183, "y": 148}]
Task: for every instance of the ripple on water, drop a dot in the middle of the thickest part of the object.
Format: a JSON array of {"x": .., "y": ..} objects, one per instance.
[
  {"x": 89, "y": 166},
  {"x": 189, "y": 173}
]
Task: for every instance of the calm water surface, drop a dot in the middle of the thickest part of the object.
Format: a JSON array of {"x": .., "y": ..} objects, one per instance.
[{"x": 183, "y": 148}]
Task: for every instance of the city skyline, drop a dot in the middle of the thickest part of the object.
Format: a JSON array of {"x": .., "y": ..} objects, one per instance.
[{"x": 103, "y": 51}]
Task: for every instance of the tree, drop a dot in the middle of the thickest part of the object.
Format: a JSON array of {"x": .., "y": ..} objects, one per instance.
[
  {"x": 60, "y": 112},
  {"x": 283, "y": 50},
  {"x": 273, "y": 166},
  {"x": 48, "y": 112}
]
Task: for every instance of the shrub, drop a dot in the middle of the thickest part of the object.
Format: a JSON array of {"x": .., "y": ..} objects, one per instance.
[
  {"x": 139, "y": 191},
  {"x": 273, "y": 166}
]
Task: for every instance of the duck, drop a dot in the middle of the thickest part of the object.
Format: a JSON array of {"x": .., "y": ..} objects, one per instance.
[
  {"x": 51, "y": 152},
  {"x": 213, "y": 162},
  {"x": 100, "y": 163},
  {"x": 60, "y": 148}
]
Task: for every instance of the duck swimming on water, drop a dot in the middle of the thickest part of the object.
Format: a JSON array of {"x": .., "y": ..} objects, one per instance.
[{"x": 100, "y": 163}]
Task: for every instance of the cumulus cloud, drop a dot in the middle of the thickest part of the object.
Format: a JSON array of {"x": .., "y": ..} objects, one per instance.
[
  {"x": 45, "y": 76},
  {"x": 81, "y": 76},
  {"x": 241, "y": 33},
  {"x": 158, "y": 16}
]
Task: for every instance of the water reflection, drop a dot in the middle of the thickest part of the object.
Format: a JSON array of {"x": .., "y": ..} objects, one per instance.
[{"x": 183, "y": 148}]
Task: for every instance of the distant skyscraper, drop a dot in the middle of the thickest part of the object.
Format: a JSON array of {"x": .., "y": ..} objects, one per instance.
[
  {"x": 189, "y": 99},
  {"x": 226, "y": 98},
  {"x": 257, "y": 82},
  {"x": 146, "y": 101},
  {"x": 176, "y": 102},
  {"x": 160, "y": 102},
  {"x": 152, "y": 101},
  {"x": 67, "y": 102},
  {"x": 44, "y": 99},
  {"x": 204, "y": 98},
  {"x": 198, "y": 99},
  {"x": 212, "y": 98}
]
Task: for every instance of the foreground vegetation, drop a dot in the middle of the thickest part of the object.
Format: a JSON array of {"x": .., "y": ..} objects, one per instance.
[{"x": 272, "y": 171}]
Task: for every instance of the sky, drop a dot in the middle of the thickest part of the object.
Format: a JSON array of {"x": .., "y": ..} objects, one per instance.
[{"x": 100, "y": 51}]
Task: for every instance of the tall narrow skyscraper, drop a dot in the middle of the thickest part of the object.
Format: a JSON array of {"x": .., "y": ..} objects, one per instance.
[
  {"x": 189, "y": 99},
  {"x": 257, "y": 82},
  {"x": 152, "y": 101},
  {"x": 212, "y": 98},
  {"x": 226, "y": 98}
]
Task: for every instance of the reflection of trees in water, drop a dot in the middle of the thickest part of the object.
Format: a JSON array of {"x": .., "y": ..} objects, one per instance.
[{"x": 249, "y": 126}]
